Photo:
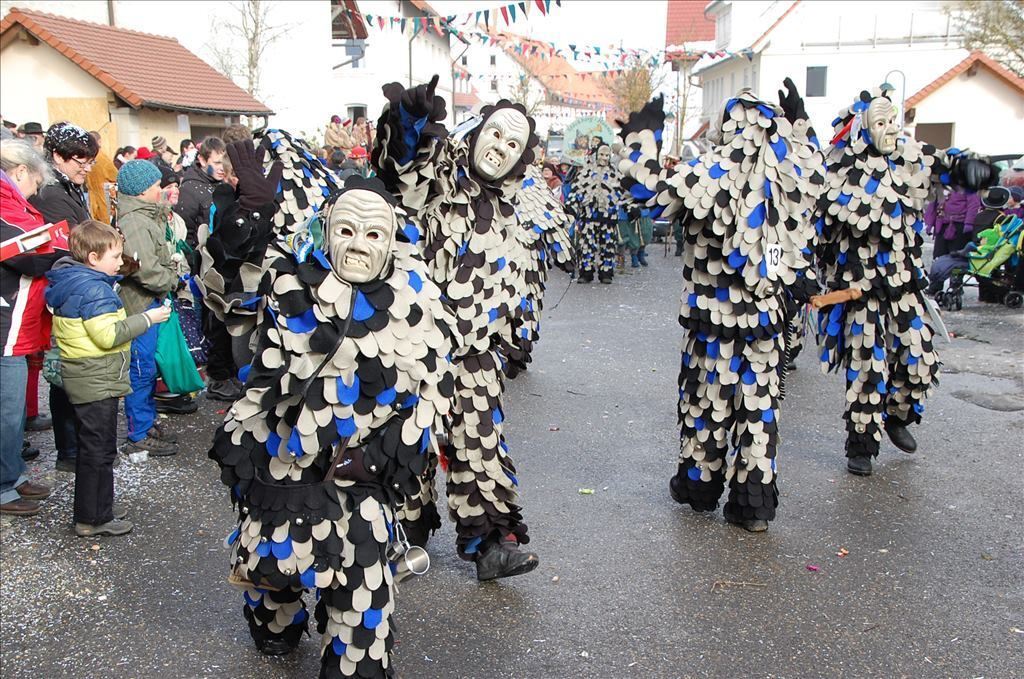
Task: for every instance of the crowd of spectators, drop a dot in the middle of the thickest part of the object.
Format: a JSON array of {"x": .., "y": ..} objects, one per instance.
[{"x": 98, "y": 253}]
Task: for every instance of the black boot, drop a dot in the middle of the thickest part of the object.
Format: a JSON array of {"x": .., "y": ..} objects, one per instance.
[
  {"x": 859, "y": 465},
  {"x": 503, "y": 559},
  {"x": 900, "y": 436},
  {"x": 586, "y": 277},
  {"x": 274, "y": 646}
]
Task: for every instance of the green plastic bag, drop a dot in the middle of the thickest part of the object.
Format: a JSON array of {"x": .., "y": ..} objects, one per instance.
[{"x": 173, "y": 359}]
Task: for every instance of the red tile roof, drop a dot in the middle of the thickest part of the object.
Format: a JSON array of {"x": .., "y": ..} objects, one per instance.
[
  {"x": 975, "y": 57},
  {"x": 685, "y": 22},
  {"x": 142, "y": 69},
  {"x": 466, "y": 99}
]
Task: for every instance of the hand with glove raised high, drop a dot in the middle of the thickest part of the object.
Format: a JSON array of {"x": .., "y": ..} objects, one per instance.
[
  {"x": 422, "y": 102},
  {"x": 254, "y": 189},
  {"x": 791, "y": 102}
]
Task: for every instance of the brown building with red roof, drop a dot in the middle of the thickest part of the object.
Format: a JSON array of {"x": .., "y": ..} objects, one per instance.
[{"x": 129, "y": 85}]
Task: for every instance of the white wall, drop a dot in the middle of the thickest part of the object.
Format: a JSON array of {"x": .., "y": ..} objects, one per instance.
[
  {"x": 30, "y": 74},
  {"x": 988, "y": 123},
  {"x": 859, "y": 43}
]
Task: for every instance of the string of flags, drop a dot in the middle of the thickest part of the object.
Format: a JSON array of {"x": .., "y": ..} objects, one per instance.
[{"x": 606, "y": 56}]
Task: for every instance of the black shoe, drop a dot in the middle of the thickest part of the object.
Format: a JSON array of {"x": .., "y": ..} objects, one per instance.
[
  {"x": 223, "y": 390},
  {"x": 859, "y": 466},
  {"x": 28, "y": 452},
  {"x": 752, "y": 525},
  {"x": 66, "y": 465},
  {"x": 606, "y": 280},
  {"x": 900, "y": 436},
  {"x": 180, "y": 404},
  {"x": 112, "y": 528},
  {"x": 274, "y": 647},
  {"x": 38, "y": 423},
  {"x": 503, "y": 560},
  {"x": 158, "y": 432}
]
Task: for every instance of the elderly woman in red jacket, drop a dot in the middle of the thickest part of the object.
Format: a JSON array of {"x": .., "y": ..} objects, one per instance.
[{"x": 24, "y": 321}]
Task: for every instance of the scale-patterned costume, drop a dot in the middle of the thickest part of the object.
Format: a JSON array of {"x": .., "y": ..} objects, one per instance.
[
  {"x": 363, "y": 366},
  {"x": 229, "y": 284},
  {"x": 544, "y": 231},
  {"x": 471, "y": 245},
  {"x": 595, "y": 195},
  {"x": 870, "y": 229},
  {"x": 746, "y": 208}
]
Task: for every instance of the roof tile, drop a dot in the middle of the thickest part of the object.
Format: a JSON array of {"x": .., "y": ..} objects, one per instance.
[{"x": 141, "y": 68}]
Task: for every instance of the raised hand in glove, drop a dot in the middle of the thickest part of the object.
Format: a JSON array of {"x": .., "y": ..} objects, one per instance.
[
  {"x": 421, "y": 102},
  {"x": 254, "y": 190},
  {"x": 791, "y": 102}
]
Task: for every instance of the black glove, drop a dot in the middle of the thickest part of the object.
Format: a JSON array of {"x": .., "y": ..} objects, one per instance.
[
  {"x": 419, "y": 101},
  {"x": 791, "y": 103},
  {"x": 254, "y": 190}
]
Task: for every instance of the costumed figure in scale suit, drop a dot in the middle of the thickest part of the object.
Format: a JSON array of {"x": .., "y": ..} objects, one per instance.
[
  {"x": 460, "y": 191},
  {"x": 870, "y": 225},
  {"x": 544, "y": 232},
  {"x": 746, "y": 207},
  {"x": 350, "y": 373},
  {"x": 595, "y": 197}
]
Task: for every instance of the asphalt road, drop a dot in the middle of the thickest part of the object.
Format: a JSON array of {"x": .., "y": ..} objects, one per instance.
[{"x": 917, "y": 571}]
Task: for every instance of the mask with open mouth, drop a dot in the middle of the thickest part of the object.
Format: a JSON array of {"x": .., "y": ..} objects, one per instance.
[
  {"x": 501, "y": 142},
  {"x": 881, "y": 120},
  {"x": 604, "y": 155},
  {"x": 360, "y": 232}
]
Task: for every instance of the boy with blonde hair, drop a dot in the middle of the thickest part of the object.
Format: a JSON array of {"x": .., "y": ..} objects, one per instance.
[{"x": 94, "y": 335}]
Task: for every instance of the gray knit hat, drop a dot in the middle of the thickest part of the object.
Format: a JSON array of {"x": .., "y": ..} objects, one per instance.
[{"x": 136, "y": 176}]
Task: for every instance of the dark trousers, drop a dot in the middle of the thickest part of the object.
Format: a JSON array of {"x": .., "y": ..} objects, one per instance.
[
  {"x": 65, "y": 438},
  {"x": 220, "y": 362},
  {"x": 96, "y": 424}
]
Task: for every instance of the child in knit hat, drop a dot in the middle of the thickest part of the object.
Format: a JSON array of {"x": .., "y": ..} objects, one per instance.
[{"x": 142, "y": 218}]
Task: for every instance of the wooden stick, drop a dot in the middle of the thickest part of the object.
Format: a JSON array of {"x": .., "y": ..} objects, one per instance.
[{"x": 836, "y": 297}]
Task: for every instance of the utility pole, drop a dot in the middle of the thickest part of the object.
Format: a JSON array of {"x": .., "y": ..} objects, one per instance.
[{"x": 110, "y": 12}]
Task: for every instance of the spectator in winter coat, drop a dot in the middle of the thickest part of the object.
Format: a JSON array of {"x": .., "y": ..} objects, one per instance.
[
  {"x": 123, "y": 155},
  {"x": 951, "y": 220},
  {"x": 24, "y": 322},
  {"x": 337, "y": 135},
  {"x": 94, "y": 336},
  {"x": 197, "y": 186},
  {"x": 71, "y": 153},
  {"x": 103, "y": 172},
  {"x": 187, "y": 154},
  {"x": 143, "y": 221}
]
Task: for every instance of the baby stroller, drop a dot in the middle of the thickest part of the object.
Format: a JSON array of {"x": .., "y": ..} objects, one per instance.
[{"x": 990, "y": 260}]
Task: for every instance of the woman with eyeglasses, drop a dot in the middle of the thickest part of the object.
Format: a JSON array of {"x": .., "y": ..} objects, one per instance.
[{"x": 71, "y": 153}]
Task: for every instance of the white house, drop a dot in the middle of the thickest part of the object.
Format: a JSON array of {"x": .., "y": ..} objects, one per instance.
[{"x": 833, "y": 50}]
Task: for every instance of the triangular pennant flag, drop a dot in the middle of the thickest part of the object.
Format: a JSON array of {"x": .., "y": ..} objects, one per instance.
[
  {"x": 380, "y": 22},
  {"x": 402, "y": 22},
  {"x": 478, "y": 14},
  {"x": 369, "y": 19},
  {"x": 487, "y": 17},
  {"x": 522, "y": 8},
  {"x": 512, "y": 11},
  {"x": 547, "y": 6},
  {"x": 504, "y": 14},
  {"x": 540, "y": 6}
]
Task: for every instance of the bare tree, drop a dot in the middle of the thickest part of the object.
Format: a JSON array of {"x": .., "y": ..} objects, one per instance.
[
  {"x": 634, "y": 86},
  {"x": 522, "y": 94},
  {"x": 224, "y": 54},
  {"x": 996, "y": 26},
  {"x": 252, "y": 23}
]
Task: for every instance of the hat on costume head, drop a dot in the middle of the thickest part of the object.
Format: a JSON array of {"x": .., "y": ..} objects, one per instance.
[
  {"x": 996, "y": 198},
  {"x": 32, "y": 128},
  {"x": 136, "y": 176},
  {"x": 10, "y": 125},
  {"x": 142, "y": 153},
  {"x": 335, "y": 119}
]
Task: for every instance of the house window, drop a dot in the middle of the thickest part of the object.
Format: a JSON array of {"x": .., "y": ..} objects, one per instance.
[
  {"x": 937, "y": 134},
  {"x": 465, "y": 61},
  {"x": 816, "y": 80},
  {"x": 494, "y": 60},
  {"x": 494, "y": 83},
  {"x": 723, "y": 28},
  {"x": 356, "y": 111}
]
